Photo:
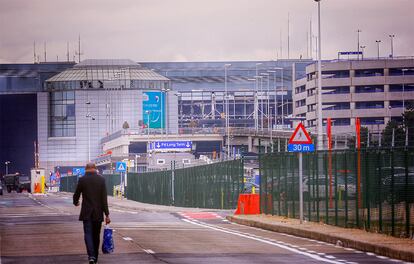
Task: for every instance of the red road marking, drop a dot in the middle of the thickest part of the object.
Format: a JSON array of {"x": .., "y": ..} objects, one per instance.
[{"x": 201, "y": 215}]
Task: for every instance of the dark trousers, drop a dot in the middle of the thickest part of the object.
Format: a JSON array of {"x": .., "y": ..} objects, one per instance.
[{"x": 92, "y": 232}]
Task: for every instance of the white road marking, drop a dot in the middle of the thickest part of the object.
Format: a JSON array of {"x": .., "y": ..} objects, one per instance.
[{"x": 224, "y": 230}]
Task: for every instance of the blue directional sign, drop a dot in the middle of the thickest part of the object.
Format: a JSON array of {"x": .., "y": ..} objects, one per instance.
[
  {"x": 164, "y": 145},
  {"x": 120, "y": 166},
  {"x": 78, "y": 171},
  {"x": 301, "y": 147}
]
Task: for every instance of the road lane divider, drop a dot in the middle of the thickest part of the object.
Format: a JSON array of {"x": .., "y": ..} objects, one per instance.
[{"x": 266, "y": 241}]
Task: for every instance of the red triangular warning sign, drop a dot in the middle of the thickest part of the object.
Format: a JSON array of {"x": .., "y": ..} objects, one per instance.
[{"x": 300, "y": 136}]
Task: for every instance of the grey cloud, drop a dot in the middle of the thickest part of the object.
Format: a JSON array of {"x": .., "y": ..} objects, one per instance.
[{"x": 170, "y": 30}]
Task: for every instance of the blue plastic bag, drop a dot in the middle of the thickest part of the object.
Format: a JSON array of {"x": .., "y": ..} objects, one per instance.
[{"x": 107, "y": 241}]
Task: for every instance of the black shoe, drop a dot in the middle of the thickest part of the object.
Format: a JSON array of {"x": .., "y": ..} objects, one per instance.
[{"x": 92, "y": 261}]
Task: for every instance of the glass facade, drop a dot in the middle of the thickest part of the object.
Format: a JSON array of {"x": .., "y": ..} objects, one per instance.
[
  {"x": 62, "y": 114},
  {"x": 200, "y": 89}
]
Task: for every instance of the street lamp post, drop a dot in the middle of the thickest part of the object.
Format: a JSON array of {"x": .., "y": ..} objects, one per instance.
[
  {"x": 320, "y": 145},
  {"x": 7, "y": 166},
  {"x": 267, "y": 93},
  {"x": 392, "y": 36},
  {"x": 378, "y": 48},
  {"x": 257, "y": 89},
  {"x": 148, "y": 127},
  {"x": 362, "y": 49},
  {"x": 403, "y": 87},
  {"x": 88, "y": 116},
  {"x": 226, "y": 97},
  {"x": 358, "y": 31}
]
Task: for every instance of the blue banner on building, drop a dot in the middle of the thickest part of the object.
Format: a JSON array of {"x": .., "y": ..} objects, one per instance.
[{"x": 153, "y": 109}]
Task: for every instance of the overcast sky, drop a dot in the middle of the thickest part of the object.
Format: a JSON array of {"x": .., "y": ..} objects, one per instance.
[{"x": 200, "y": 30}]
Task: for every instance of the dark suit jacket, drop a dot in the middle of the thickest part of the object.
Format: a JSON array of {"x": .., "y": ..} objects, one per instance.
[{"x": 94, "y": 200}]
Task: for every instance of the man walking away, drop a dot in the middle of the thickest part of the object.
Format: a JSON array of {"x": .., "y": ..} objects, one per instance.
[{"x": 94, "y": 205}]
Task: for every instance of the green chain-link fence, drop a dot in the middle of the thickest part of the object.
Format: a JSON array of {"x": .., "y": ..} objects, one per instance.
[
  {"x": 150, "y": 187},
  {"x": 68, "y": 184},
  {"x": 209, "y": 186},
  {"x": 371, "y": 188}
]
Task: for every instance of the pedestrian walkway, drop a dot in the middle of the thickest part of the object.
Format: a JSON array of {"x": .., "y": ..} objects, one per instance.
[{"x": 398, "y": 248}]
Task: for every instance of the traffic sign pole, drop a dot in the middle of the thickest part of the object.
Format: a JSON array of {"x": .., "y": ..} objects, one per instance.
[
  {"x": 300, "y": 188},
  {"x": 300, "y": 141}
]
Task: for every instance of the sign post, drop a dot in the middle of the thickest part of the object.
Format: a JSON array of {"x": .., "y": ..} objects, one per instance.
[{"x": 300, "y": 141}]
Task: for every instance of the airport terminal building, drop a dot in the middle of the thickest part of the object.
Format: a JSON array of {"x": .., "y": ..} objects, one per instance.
[{"x": 63, "y": 111}]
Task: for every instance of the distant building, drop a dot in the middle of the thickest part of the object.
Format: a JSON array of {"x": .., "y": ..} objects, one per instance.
[
  {"x": 47, "y": 103},
  {"x": 373, "y": 90}
]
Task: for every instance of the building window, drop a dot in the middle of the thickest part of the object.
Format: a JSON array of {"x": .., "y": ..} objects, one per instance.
[
  {"x": 336, "y": 106},
  {"x": 399, "y": 103},
  {"x": 399, "y": 71},
  {"x": 335, "y": 90},
  {"x": 62, "y": 114},
  {"x": 369, "y": 89},
  {"x": 301, "y": 103},
  {"x": 312, "y": 123},
  {"x": 369, "y": 105},
  {"x": 311, "y": 107},
  {"x": 311, "y": 92},
  {"x": 300, "y": 89},
  {"x": 339, "y": 121},
  {"x": 399, "y": 87},
  {"x": 372, "y": 120},
  {"x": 335, "y": 74},
  {"x": 186, "y": 161},
  {"x": 369, "y": 72}
]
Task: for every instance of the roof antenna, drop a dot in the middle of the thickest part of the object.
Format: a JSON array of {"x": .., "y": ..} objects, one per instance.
[
  {"x": 79, "y": 53},
  {"x": 34, "y": 51},
  {"x": 45, "y": 50},
  {"x": 67, "y": 51}
]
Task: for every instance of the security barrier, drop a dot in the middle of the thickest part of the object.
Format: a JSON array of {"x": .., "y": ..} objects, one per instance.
[
  {"x": 371, "y": 188},
  {"x": 248, "y": 204}
]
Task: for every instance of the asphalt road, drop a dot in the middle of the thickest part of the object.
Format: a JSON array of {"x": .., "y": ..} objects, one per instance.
[{"x": 45, "y": 229}]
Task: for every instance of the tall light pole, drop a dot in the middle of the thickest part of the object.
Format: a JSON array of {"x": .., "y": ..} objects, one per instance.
[
  {"x": 88, "y": 116},
  {"x": 358, "y": 31},
  {"x": 320, "y": 145},
  {"x": 362, "y": 49},
  {"x": 257, "y": 90},
  {"x": 264, "y": 74},
  {"x": 392, "y": 36},
  {"x": 7, "y": 166},
  {"x": 378, "y": 48},
  {"x": 226, "y": 66},
  {"x": 255, "y": 113},
  {"x": 148, "y": 127}
]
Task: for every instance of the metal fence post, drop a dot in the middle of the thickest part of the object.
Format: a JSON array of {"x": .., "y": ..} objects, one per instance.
[{"x": 407, "y": 205}]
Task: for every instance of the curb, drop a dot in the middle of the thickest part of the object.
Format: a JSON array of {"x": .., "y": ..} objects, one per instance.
[{"x": 332, "y": 239}]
